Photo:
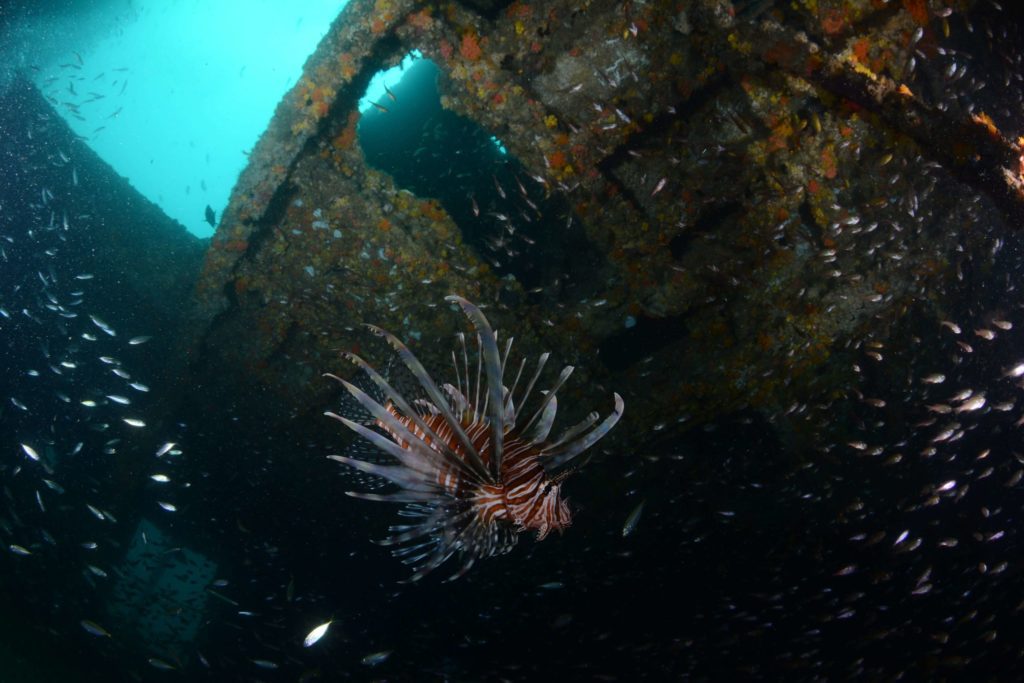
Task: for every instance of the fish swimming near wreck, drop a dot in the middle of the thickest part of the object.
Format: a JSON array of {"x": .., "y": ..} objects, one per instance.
[
  {"x": 471, "y": 472},
  {"x": 211, "y": 217}
]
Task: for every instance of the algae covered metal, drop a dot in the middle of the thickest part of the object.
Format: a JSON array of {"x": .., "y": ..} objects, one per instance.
[{"x": 741, "y": 209}]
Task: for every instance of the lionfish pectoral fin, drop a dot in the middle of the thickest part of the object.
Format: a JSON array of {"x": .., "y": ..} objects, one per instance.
[
  {"x": 403, "y": 476},
  {"x": 415, "y": 462},
  {"x": 476, "y": 470},
  {"x": 416, "y": 454},
  {"x": 398, "y": 497}
]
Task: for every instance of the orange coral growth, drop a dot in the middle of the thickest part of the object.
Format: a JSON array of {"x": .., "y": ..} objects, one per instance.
[
  {"x": 557, "y": 159},
  {"x": 519, "y": 9},
  {"x": 320, "y": 109},
  {"x": 918, "y": 10},
  {"x": 470, "y": 46},
  {"x": 377, "y": 26},
  {"x": 432, "y": 210},
  {"x": 237, "y": 246},
  {"x": 446, "y": 49},
  {"x": 347, "y": 137},
  {"x": 498, "y": 98},
  {"x": 985, "y": 120},
  {"x": 813, "y": 186},
  {"x": 779, "y": 53},
  {"x": 384, "y": 224},
  {"x": 828, "y": 163},
  {"x": 421, "y": 20},
  {"x": 861, "y": 49},
  {"x": 833, "y": 21},
  {"x": 347, "y": 64}
]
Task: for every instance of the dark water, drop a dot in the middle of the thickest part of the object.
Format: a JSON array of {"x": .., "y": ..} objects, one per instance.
[{"x": 879, "y": 541}]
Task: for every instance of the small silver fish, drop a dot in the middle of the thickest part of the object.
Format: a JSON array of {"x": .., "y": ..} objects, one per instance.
[
  {"x": 317, "y": 633},
  {"x": 161, "y": 664},
  {"x": 972, "y": 404},
  {"x": 376, "y": 658},
  {"x": 93, "y": 628},
  {"x": 633, "y": 519},
  {"x": 30, "y": 452},
  {"x": 1015, "y": 371}
]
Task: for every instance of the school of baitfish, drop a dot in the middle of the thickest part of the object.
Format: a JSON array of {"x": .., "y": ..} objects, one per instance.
[{"x": 916, "y": 496}]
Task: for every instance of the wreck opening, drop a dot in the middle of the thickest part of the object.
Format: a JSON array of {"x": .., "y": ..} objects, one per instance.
[{"x": 510, "y": 219}]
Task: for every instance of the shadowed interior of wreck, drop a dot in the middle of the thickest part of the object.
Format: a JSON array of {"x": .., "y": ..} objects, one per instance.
[{"x": 515, "y": 223}]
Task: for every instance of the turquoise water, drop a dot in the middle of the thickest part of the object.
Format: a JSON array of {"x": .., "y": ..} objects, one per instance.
[
  {"x": 171, "y": 94},
  {"x": 173, "y": 500}
]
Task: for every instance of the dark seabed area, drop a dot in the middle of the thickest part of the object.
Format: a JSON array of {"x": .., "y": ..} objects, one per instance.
[{"x": 776, "y": 244}]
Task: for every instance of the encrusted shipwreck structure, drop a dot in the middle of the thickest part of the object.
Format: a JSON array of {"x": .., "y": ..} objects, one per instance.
[{"x": 703, "y": 203}]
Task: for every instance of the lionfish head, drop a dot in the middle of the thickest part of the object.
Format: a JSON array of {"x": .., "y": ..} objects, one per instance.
[{"x": 555, "y": 514}]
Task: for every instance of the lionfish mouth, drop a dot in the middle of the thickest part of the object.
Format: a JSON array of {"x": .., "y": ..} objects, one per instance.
[{"x": 471, "y": 476}]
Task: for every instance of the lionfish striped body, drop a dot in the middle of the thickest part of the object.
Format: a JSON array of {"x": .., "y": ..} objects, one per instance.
[
  {"x": 521, "y": 494},
  {"x": 470, "y": 477}
]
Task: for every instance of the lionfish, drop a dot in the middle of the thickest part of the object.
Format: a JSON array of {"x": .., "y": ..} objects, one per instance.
[{"x": 471, "y": 475}]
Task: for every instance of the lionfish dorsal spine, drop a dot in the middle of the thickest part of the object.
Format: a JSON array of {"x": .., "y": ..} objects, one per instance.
[
  {"x": 550, "y": 396},
  {"x": 420, "y": 373},
  {"x": 543, "y": 428},
  {"x": 541, "y": 362},
  {"x": 572, "y": 432},
  {"x": 510, "y": 405},
  {"x": 493, "y": 367},
  {"x": 571, "y": 450}
]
